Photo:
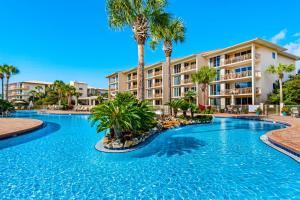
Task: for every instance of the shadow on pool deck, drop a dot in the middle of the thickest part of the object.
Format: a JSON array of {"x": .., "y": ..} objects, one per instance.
[
  {"x": 47, "y": 129},
  {"x": 172, "y": 146}
]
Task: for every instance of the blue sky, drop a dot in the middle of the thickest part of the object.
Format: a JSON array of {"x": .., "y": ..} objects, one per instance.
[{"x": 71, "y": 40}]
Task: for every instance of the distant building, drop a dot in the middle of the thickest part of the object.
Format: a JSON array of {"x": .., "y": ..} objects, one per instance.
[
  {"x": 21, "y": 90},
  {"x": 89, "y": 94}
]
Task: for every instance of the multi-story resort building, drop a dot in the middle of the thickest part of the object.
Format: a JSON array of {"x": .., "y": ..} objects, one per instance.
[
  {"x": 21, "y": 90},
  {"x": 89, "y": 94},
  {"x": 241, "y": 75}
]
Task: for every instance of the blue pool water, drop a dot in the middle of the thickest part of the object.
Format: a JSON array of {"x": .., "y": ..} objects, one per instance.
[{"x": 223, "y": 160}]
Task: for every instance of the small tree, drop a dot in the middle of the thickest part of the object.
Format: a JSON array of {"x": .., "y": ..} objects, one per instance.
[
  {"x": 204, "y": 76},
  {"x": 279, "y": 71},
  {"x": 175, "y": 105}
]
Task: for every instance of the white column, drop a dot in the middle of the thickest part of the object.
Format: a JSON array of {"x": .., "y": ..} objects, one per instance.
[{"x": 253, "y": 74}]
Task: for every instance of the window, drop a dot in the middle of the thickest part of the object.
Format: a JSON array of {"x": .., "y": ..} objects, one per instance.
[
  {"x": 243, "y": 101},
  {"x": 80, "y": 88},
  {"x": 128, "y": 77},
  {"x": 186, "y": 89},
  {"x": 157, "y": 102},
  {"x": 218, "y": 75},
  {"x": 177, "y": 68},
  {"x": 129, "y": 86},
  {"x": 215, "y": 89},
  {"x": 177, "y": 92},
  {"x": 149, "y": 93},
  {"x": 273, "y": 55},
  {"x": 215, "y": 61},
  {"x": 150, "y": 73},
  {"x": 149, "y": 83},
  {"x": 177, "y": 80},
  {"x": 243, "y": 84},
  {"x": 193, "y": 88},
  {"x": 186, "y": 64},
  {"x": 227, "y": 101}
]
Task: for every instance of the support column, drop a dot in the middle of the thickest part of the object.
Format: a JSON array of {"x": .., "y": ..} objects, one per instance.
[{"x": 253, "y": 74}]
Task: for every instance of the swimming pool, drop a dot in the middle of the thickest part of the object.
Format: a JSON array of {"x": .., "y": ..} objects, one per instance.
[{"x": 225, "y": 160}]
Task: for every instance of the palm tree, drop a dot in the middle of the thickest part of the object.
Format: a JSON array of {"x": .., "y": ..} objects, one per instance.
[
  {"x": 139, "y": 15},
  {"x": 2, "y": 81},
  {"x": 175, "y": 105},
  {"x": 69, "y": 91},
  {"x": 190, "y": 95},
  {"x": 9, "y": 70},
  {"x": 279, "y": 71},
  {"x": 204, "y": 76},
  {"x": 172, "y": 30},
  {"x": 77, "y": 95},
  {"x": 59, "y": 87}
]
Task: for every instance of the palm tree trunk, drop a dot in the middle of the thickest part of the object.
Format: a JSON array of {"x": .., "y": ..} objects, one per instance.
[
  {"x": 280, "y": 91},
  {"x": 7, "y": 82},
  {"x": 168, "y": 61},
  {"x": 2, "y": 88},
  {"x": 140, "y": 73}
]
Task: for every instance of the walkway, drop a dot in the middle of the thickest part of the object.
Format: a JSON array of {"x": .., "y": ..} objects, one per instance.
[
  {"x": 15, "y": 126},
  {"x": 65, "y": 112}
]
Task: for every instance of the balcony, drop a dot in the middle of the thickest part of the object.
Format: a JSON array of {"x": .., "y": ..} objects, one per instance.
[
  {"x": 158, "y": 95},
  {"x": 189, "y": 68},
  {"x": 158, "y": 84},
  {"x": 113, "y": 89},
  {"x": 18, "y": 88},
  {"x": 239, "y": 91},
  {"x": 187, "y": 81},
  {"x": 134, "y": 87},
  {"x": 158, "y": 73},
  {"x": 241, "y": 58}
]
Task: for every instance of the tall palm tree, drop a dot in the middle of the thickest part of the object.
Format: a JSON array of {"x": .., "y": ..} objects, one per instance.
[
  {"x": 139, "y": 15},
  {"x": 279, "y": 71},
  {"x": 9, "y": 70},
  {"x": 2, "y": 72},
  {"x": 59, "y": 88},
  {"x": 69, "y": 91},
  {"x": 203, "y": 77},
  {"x": 171, "y": 30},
  {"x": 77, "y": 95}
]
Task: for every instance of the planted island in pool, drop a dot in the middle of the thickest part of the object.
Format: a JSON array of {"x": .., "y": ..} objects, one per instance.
[{"x": 130, "y": 121}]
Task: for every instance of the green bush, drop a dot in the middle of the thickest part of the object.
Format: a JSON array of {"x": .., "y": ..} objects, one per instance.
[
  {"x": 6, "y": 106},
  {"x": 125, "y": 114}
]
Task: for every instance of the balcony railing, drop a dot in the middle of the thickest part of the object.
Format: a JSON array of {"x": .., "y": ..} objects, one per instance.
[
  {"x": 134, "y": 77},
  {"x": 18, "y": 88},
  {"x": 158, "y": 95},
  {"x": 190, "y": 67},
  {"x": 134, "y": 87},
  {"x": 157, "y": 84},
  {"x": 186, "y": 81},
  {"x": 238, "y": 91},
  {"x": 158, "y": 73},
  {"x": 240, "y": 58}
]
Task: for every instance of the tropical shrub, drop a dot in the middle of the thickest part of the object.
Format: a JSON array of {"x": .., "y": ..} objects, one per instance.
[
  {"x": 175, "y": 105},
  {"x": 125, "y": 114},
  {"x": 258, "y": 111},
  {"x": 184, "y": 106},
  {"x": 5, "y": 106},
  {"x": 285, "y": 109}
]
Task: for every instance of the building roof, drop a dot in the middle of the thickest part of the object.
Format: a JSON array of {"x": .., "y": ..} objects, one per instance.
[
  {"x": 259, "y": 41},
  {"x": 38, "y": 82}
]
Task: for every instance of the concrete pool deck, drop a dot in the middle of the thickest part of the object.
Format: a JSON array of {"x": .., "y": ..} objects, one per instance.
[
  {"x": 287, "y": 139},
  {"x": 16, "y": 126},
  {"x": 64, "y": 112}
]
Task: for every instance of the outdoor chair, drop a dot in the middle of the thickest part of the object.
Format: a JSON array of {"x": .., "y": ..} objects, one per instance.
[{"x": 294, "y": 112}]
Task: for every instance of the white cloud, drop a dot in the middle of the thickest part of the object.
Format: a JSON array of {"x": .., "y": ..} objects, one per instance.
[
  {"x": 293, "y": 47},
  {"x": 279, "y": 36},
  {"x": 296, "y": 34}
]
